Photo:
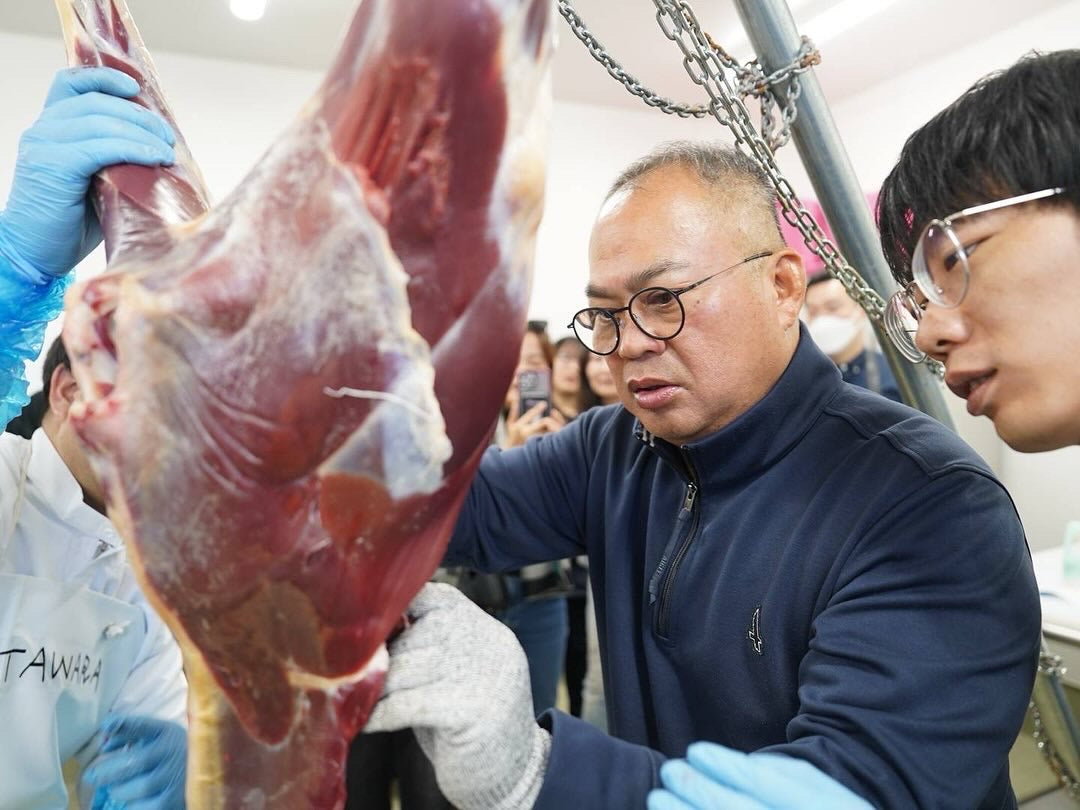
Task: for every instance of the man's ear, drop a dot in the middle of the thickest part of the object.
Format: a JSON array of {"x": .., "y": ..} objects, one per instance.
[
  {"x": 62, "y": 391},
  {"x": 789, "y": 284}
]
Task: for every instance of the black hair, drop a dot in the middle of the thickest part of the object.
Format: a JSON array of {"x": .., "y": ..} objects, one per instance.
[
  {"x": 568, "y": 339},
  {"x": 29, "y": 419},
  {"x": 1013, "y": 132},
  {"x": 820, "y": 278},
  {"x": 539, "y": 328},
  {"x": 56, "y": 356}
]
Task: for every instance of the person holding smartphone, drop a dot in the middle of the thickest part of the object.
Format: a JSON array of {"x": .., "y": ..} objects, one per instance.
[
  {"x": 528, "y": 410},
  {"x": 531, "y": 601}
]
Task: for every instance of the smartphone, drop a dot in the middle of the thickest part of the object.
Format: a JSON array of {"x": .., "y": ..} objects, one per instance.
[{"x": 534, "y": 385}]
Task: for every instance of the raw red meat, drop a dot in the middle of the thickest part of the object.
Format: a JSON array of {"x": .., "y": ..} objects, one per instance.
[{"x": 286, "y": 396}]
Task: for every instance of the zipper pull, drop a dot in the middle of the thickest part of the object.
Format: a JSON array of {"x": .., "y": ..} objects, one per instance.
[
  {"x": 688, "y": 501},
  {"x": 684, "y": 513}
]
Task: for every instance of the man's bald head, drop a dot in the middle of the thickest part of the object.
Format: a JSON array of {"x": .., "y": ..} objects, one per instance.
[{"x": 740, "y": 190}]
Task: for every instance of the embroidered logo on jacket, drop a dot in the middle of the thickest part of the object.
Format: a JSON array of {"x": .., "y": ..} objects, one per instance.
[{"x": 753, "y": 632}]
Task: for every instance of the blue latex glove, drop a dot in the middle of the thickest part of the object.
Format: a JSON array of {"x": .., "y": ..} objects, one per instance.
[
  {"x": 142, "y": 765},
  {"x": 87, "y": 124},
  {"x": 713, "y": 776}
]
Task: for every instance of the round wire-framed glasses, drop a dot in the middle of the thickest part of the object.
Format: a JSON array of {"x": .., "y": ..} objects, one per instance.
[{"x": 656, "y": 311}]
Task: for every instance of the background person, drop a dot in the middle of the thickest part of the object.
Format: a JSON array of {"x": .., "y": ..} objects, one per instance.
[
  {"x": 598, "y": 388},
  {"x": 566, "y": 363},
  {"x": 70, "y": 595},
  {"x": 69, "y": 589},
  {"x": 536, "y": 608},
  {"x": 567, "y": 398},
  {"x": 598, "y": 382},
  {"x": 841, "y": 329},
  {"x": 530, "y": 599}
]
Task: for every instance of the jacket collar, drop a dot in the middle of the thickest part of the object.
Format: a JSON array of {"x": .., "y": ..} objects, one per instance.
[{"x": 763, "y": 435}]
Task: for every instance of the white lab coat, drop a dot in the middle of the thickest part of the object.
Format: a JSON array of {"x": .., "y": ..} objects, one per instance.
[{"x": 55, "y": 541}]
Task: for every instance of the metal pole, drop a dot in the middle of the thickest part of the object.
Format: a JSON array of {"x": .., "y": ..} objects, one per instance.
[{"x": 772, "y": 32}]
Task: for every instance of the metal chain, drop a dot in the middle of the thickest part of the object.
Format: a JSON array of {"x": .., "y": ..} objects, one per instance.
[
  {"x": 705, "y": 67},
  {"x": 1050, "y": 754},
  {"x": 705, "y": 62},
  {"x": 616, "y": 71},
  {"x": 754, "y": 82},
  {"x": 1050, "y": 666},
  {"x": 751, "y": 76}
]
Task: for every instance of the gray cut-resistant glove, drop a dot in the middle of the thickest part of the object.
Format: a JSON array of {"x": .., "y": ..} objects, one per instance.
[{"x": 460, "y": 680}]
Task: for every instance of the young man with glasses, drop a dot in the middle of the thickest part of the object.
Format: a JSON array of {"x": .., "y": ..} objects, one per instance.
[
  {"x": 783, "y": 564},
  {"x": 980, "y": 221}
]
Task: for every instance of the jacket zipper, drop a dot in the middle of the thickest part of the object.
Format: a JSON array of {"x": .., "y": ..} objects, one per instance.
[{"x": 660, "y": 587}]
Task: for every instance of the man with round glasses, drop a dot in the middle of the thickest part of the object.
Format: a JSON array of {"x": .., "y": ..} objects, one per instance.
[
  {"x": 783, "y": 564},
  {"x": 984, "y": 234}
]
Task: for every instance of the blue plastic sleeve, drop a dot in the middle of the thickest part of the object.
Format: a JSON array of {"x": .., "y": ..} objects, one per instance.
[{"x": 25, "y": 310}]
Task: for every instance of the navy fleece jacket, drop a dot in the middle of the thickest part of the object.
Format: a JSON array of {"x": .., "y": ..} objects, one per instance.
[{"x": 833, "y": 576}]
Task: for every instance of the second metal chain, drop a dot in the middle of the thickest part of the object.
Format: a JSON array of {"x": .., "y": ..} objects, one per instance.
[
  {"x": 706, "y": 62},
  {"x": 616, "y": 71},
  {"x": 1050, "y": 667},
  {"x": 706, "y": 68}
]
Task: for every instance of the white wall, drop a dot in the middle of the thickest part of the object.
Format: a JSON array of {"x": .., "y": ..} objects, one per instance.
[{"x": 231, "y": 111}]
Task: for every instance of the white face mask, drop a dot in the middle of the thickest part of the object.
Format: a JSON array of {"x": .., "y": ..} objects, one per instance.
[{"x": 832, "y": 333}]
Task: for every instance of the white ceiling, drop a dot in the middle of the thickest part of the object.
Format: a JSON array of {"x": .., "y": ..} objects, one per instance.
[{"x": 305, "y": 33}]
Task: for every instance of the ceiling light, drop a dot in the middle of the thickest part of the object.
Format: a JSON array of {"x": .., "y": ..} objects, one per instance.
[
  {"x": 736, "y": 40},
  {"x": 250, "y": 10},
  {"x": 843, "y": 17},
  {"x": 840, "y": 17}
]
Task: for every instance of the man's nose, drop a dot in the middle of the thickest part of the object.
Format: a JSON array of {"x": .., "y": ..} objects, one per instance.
[
  {"x": 634, "y": 342},
  {"x": 940, "y": 329}
]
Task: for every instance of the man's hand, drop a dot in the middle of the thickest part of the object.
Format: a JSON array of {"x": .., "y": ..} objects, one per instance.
[
  {"x": 142, "y": 765},
  {"x": 88, "y": 124},
  {"x": 460, "y": 680},
  {"x": 713, "y": 776}
]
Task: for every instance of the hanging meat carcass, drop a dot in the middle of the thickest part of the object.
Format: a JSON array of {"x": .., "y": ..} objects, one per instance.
[{"x": 286, "y": 395}]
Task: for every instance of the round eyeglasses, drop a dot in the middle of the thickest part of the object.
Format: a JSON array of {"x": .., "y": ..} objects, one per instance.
[
  {"x": 941, "y": 272},
  {"x": 901, "y": 317},
  {"x": 657, "y": 311}
]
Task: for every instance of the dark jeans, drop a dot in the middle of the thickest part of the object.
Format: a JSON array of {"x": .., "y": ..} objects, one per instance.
[
  {"x": 377, "y": 760},
  {"x": 541, "y": 627}
]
